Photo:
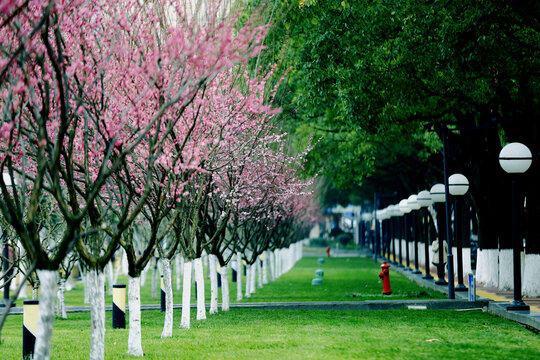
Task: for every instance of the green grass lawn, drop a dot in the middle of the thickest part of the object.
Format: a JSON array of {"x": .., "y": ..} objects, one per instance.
[
  {"x": 345, "y": 279},
  {"x": 303, "y": 334},
  {"x": 300, "y": 334}
]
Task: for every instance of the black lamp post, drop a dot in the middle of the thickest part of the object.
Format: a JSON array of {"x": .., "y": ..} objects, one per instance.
[
  {"x": 458, "y": 186},
  {"x": 516, "y": 158},
  {"x": 424, "y": 200}
]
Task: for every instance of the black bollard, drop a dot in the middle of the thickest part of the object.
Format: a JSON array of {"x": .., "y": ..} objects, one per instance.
[
  {"x": 30, "y": 320},
  {"x": 234, "y": 275},
  {"x": 119, "y": 306}
]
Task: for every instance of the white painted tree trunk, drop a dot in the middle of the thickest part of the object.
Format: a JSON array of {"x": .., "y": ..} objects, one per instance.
[
  {"x": 155, "y": 277},
  {"x": 134, "y": 304},
  {"x": 96, "y": 282},
  {"x": 86, "y": 287},
  {"x": 186, "y": 296},
  {"x": 238, "y": 276},
  {"x": 259, "y": 274},
  {"x": 22, "y": 293},
  {"x": 47, "y": 281},
  {"x": 531, "y": 278},
  {"x": 199, "y": 279},
  {"x": 271, "y": 266},
  {"x": 248, "y": 281},
  {"x": 506, "y": 269},
  {"x": 123, "y": 262},
  {"x": 144, "y": 273},
  {"x": 61, "y": 299},
  {"x": 167, "y": 284},
  {"x": 265, "y": 268},
  {"x": 179, "y": 262},
  {"x": 252, "y": 278},
  {"x": 487, "y": 267},
  {"x": 225, "y": 296},
  {"x": 110, "y": 276},
  {"x": 213, "y": 284}
]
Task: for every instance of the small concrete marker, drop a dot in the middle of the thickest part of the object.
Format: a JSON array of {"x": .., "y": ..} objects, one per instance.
[
  {"x": 319, "y": 272},
  {"x": 417, "y": 307},
  {"x": 320, "y": 260},
  {"x": 316, "y": 282}
]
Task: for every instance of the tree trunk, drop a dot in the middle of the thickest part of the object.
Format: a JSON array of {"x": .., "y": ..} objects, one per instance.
[
  {"x": 134, "y": 303},
  {"x": 248, "y": 281},
  {"x": 47, "y": 281},
  {"x": 61, "y": 299},
  {"x": 238, "y": 276},
  {"x": 167, "y": 283},
  {"x": 199, "y": 279},
  {"x": 96, "y": 282},
  {"x": 271, "y": 266},
  {"x": 259, "y": 274},
  {"x": 179, "y": 262},
  {"x": 86, "y": 287},
  {"x": 225, "y": 301},
  {"x": 155, "y": 277},
  {"x": 186, "y": 296},
  {"x": 252, "y": 278},
  {"x": 265, "y": 268},
  {"x": 110, "y": 276},
  {"x": 213, "y": 284}
]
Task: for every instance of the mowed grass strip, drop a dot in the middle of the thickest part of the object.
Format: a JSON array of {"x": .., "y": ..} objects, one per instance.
[
  {"x": 345, "y": 279},
  {"x": 300, "y": 334}
]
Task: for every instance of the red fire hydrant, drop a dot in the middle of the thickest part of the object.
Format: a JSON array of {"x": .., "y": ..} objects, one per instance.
[
  {"x": 328, "y": 251},
  {"x": 385, "y": 276}
]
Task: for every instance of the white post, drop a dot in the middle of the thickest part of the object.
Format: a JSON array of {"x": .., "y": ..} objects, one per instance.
[
  {"x": 134, "y": 303},
  {"x": 186, "y": 296},
  {"x": 47, "y": 281},
  {"x": 199, "y": 278}
]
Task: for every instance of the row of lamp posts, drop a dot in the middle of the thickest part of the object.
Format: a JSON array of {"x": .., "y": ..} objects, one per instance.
[{"x": 514, "y": 158}]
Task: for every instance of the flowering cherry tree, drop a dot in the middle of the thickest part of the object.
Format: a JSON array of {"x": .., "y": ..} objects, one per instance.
[{"x": 84, "y": 85}]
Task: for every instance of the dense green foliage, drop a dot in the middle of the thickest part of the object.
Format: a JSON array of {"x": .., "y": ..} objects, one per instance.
[{"x": 379, "y": 80}]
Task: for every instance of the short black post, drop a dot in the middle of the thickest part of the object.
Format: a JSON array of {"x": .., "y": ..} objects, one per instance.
[
  {"x": 30, "y": 320},
  {"x": 234, "y": 274},
  {"x": 119, "y": 306},
  {"x": 163, "y": 295}
]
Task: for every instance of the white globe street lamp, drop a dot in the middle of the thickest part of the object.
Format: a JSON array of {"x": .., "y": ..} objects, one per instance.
[{"x": 516, "y": 158}]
